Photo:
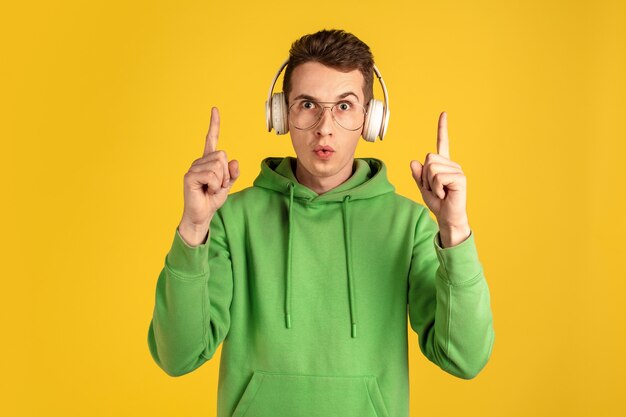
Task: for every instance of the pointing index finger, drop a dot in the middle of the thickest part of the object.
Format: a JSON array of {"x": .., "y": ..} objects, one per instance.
[
  {"x": 443, "y": 146},
  {"x": 214, "y": 130}
]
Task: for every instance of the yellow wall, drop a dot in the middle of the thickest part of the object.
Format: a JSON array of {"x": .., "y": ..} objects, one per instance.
[{"x": 105, "y": 104}]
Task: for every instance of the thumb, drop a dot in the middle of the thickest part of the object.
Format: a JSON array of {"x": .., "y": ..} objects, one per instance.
[
  {"x": 416, "y": 170},
  {"x": 233, "y": 169}
]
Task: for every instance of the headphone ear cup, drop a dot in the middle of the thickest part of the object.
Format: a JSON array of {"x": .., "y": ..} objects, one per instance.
[
  {"x": 278, "y": 113},
  {"x": 373, "y": 120},
  {"x": 385, "y": 124},
  {"x": 268, "y": 115}
]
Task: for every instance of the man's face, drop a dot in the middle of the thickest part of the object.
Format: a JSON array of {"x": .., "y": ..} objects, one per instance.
[{"x": 315, "y": 81}]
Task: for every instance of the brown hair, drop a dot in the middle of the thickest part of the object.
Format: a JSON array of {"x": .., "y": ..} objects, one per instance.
[{"x": 336, "y": 49}]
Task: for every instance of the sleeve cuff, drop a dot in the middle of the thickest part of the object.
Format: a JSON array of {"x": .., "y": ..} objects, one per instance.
[
  {"x": 188, "y": 261},
  {"x": 459, "y": 263}
]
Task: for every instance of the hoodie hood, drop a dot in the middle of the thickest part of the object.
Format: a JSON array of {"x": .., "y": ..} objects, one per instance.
[{"x": 368, "y": 180}]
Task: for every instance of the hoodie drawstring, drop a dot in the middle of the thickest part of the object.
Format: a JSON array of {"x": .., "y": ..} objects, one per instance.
[
  {"x": 288, "y": 283},
  {"x": 348, "y": 245},
  {"x": 346, "y": 232}
]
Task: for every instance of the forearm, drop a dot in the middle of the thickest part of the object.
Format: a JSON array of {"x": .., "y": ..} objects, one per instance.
[
  {"x": 178, "y": 328},
  {"x": 464, "y": 326},
  {"x": 449, "y": 302},
  {"x": 193, "y": 294}
]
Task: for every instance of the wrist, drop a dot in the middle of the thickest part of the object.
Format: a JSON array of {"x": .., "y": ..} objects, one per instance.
[
  {"x": 453, "y": 235},
  {"x": 193, "y": 234}
]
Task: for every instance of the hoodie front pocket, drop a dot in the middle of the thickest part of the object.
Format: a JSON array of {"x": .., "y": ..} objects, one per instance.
[{"x": 270, "y": 394}]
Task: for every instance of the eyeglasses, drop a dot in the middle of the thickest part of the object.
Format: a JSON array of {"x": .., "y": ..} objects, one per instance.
[{"x": 304, "y": 114}]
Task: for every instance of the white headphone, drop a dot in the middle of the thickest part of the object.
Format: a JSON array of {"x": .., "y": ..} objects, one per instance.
[{"x": 376, "y": 119}]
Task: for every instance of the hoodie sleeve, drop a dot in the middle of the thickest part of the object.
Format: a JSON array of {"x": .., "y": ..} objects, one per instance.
[
  {"x": 449, "y": 302},
  {"x": 191, "y": 314}
]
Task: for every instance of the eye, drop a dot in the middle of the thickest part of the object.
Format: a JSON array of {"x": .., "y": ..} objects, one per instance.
[
  {"x": 308, "y": 105},
  {"x": 344, "y": 106}
]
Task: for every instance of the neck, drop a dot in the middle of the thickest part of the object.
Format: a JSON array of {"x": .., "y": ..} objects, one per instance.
[{"x": 323, "y": 184}]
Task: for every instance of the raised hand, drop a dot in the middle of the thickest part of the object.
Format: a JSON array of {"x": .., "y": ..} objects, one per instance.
[
  {"x": 444, "y": 188},
  {"x": 206, "y": 186}
]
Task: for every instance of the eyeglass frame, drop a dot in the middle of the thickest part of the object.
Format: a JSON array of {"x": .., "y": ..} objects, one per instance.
[{"x": 334, "y": 103}]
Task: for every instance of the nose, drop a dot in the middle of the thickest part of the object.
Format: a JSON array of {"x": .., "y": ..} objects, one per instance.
[{"x": 326, "y": 124}]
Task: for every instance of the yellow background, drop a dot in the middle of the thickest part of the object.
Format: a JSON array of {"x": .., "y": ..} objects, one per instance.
[{"x": 105, "y": 104}]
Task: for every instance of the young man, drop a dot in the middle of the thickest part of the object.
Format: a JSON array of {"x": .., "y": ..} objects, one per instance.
[{"x": 306, "y": 277}]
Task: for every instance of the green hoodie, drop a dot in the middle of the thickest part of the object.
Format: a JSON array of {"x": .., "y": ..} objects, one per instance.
[{"x": 310, "y": 295}]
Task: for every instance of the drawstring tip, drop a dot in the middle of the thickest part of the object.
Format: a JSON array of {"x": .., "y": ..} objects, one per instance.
[
  {"x": 353, "y": 330},
  {"x": 288, "y": 320}
]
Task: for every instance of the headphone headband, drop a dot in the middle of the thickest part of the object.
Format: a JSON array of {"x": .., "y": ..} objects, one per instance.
[
  {"x": 386, "y": 106},
  {"x": 269, "y": 95}
]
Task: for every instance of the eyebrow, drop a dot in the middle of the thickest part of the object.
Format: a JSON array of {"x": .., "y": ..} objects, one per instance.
[{"x": 340, "y": 96}]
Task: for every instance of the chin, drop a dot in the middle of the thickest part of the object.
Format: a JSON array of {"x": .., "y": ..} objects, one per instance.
[{"x": 319, "y": 168}]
